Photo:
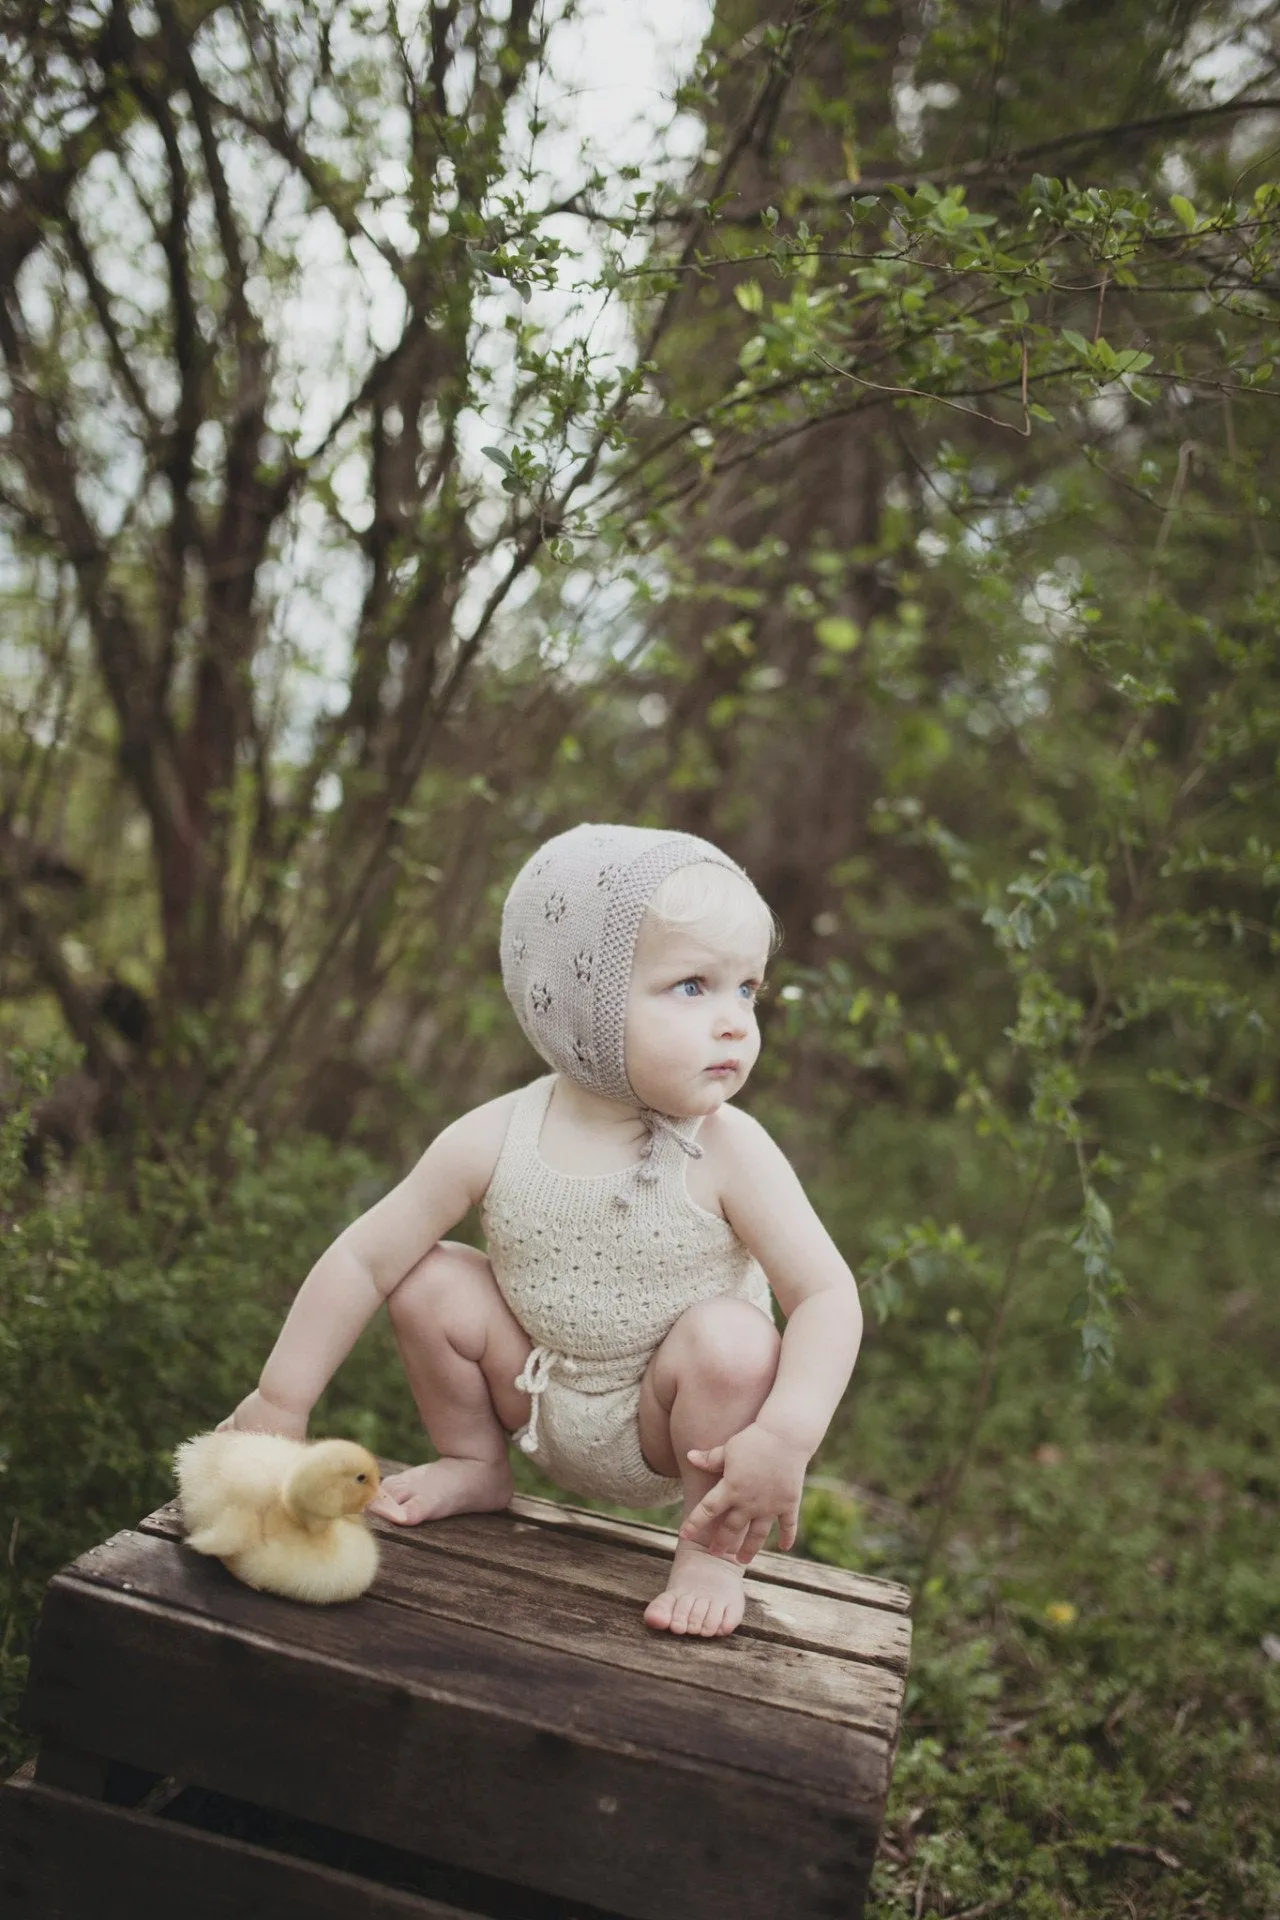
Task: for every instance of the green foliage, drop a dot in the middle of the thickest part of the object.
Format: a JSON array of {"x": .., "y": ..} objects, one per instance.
[
  {"x": 1093, "y": 1710},
  {"x": 134, "y": 1306}
]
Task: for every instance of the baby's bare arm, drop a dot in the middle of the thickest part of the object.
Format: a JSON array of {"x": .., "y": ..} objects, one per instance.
[
  {"x": 772, "y": 1215},
  {"x": 367, "y": 1262},
  {"x": 762, "y": 1469}
]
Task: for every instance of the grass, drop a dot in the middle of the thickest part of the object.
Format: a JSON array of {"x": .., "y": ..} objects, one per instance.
[{"x": 1095, "y": 1696}]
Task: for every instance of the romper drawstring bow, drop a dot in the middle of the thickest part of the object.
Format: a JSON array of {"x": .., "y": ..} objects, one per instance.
[
  {"x": 646, "y": 1173},
  {"x": 534, "y": 1381}
]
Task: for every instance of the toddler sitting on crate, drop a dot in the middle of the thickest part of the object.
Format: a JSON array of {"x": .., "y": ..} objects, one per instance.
[{"x": 620, "y": 1325}]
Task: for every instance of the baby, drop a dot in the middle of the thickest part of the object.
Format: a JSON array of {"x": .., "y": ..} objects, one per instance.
[{"x": 619, "y": 1327}]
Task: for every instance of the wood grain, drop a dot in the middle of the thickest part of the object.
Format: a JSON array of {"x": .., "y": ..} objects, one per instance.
[
  {"x": 588, "y": 1598},
  {"x": 479, "y": 1748},
  {"x": 778, "y": 1569},
  {"x": 482, "y": 1534},
  {"x": 65, "y": 1858}
]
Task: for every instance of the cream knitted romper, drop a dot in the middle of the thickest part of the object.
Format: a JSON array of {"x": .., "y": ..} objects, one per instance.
[{"x": 597, "y": 1286}]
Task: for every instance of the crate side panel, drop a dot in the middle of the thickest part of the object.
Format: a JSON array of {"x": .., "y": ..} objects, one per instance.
[
  {"x": 453, "y": 1750},
  {"x": 64, "y": 1858}
]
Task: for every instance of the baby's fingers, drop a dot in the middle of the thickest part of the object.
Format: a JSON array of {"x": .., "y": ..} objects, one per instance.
[
  {"x": 756, "y": 1535},
  {"x": 727, "y": 1534},
  {"x": 385, "y": 1506},
  {"x": 788, "y": 1528},
  {"x": 710, "y": 1459},
  {"x": 704, "y": 1520}
]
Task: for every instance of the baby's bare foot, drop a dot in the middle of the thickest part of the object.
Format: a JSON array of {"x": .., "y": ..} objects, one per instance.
[
  {"x": 703, "y": 1595},
  {"x": 443, "y": 1487}
]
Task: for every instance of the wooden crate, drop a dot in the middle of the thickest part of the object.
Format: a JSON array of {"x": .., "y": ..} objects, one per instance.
[{"x": 491, "y": 1730}]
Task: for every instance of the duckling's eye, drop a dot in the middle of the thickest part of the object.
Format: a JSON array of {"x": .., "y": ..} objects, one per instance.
[{"x": 362, "y": 1477}]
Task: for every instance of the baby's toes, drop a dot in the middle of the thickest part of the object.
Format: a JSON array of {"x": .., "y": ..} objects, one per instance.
[
  {"x": 698, "y": 1613},
  {"x": 680, "y": 1612},
  {"x": 659, "y": 1610}
]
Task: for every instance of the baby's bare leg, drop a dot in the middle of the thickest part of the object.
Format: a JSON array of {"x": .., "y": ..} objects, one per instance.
[
  {"x": 462, "y": 1349},
  {"x": 708, "y": 1380}
]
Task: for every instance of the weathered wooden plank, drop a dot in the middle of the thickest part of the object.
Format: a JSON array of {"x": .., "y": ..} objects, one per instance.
[
  {"x": 65, "y": 1858},
  {"x": 94, "y": 1776},
  {"x": 776, "y": 1614},
  {"x": 791, "y": 1616},
  {"x": 497, "y": 1673},
  {"x": 369, "y": 1859},
  {"x": 544, "y": 1769},
  {"x": 767, "y": 1569},
  {"x": 783, "y": 1569},
  {"x": 572, "y": 1613},
  {"x": 603, "y": 1628}
]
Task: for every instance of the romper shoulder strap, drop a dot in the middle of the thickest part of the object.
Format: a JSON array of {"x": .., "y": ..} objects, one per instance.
[{"x": 528, "y": 1110}]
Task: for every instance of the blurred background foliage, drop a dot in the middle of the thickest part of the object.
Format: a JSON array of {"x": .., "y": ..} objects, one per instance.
[{"x": 887, "y": 491}]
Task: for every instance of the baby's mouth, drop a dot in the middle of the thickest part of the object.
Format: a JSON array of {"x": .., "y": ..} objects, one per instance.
[{"x": 724, "y": 1068}]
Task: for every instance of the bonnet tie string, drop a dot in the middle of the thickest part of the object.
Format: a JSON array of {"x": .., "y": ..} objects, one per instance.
[{"x": 646, "y": 1173}]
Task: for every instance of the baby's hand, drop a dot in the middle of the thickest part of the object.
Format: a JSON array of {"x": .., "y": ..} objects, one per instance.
[
  {"x": 257, "y": 1414},
  {"x": 761, "y": 1480}
]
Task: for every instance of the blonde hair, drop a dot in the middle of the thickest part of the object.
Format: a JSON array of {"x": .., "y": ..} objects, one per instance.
[{"x": 715, "y": 903}]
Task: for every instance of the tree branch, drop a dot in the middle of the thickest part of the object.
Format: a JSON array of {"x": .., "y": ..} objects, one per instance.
[{"x": 998, "y": 166}]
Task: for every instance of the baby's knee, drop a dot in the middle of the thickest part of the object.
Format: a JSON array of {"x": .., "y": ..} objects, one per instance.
[
  {"x": 730, "y": 1343},
  {"x": 444, "y": 1279}
]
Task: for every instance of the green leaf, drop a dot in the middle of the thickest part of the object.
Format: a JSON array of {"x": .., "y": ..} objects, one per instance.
[
  {"x": 499, "y": 458},
  {"x": 1185, "y": 211},
  {"x": 749, "y": 295},
  {"x": 838, "y": 634},
  {"x": 1078, "y": 341}
]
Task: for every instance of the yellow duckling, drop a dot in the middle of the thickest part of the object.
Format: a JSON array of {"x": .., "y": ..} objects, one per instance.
[{"x": 284, "y": 1515}]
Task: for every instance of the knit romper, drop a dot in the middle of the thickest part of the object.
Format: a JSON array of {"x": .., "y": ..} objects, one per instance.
[{"x": 597, "y": 1268}]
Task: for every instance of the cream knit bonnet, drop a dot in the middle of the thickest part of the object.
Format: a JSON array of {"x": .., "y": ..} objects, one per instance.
[{"x": 569, "y": 931}]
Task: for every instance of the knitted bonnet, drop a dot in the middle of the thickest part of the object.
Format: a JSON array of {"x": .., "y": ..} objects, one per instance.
[{"x": 569, "y": 930}]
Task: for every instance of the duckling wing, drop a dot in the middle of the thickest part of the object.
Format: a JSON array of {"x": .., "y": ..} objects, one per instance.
[
  {"x": 229, "y": 1484},
  {"x": 227, "y": 1533}
]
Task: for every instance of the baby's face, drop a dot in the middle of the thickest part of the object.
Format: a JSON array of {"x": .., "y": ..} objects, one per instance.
[{"x": 691, "y": 1037}]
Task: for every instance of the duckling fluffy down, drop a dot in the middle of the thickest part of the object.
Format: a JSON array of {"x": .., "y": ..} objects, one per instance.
[{"x": 282, "y": 1515}]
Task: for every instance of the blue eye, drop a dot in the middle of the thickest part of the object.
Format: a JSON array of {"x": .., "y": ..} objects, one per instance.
[{"x": 695, "y": 984}]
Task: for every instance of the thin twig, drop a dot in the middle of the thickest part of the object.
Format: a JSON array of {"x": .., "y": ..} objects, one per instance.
[
  {"x": 919, "y": 393},
  {"x": 988, "y": 1906},
  {"x": 1102, "y": 294},
  {"x": 1000, "y": 164}
]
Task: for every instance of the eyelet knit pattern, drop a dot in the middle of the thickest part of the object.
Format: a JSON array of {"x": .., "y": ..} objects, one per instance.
[
  {"x": 569, "y": 930},
  {"x": 598, "y": 1288}
]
